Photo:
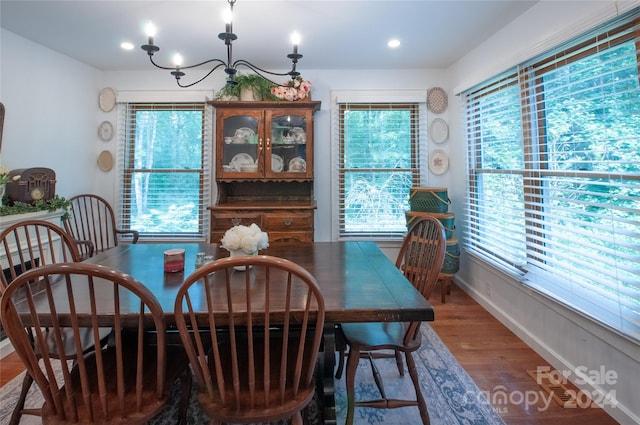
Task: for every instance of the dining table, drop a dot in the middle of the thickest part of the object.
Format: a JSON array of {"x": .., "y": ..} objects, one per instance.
[{"x": 358, "y": 281}]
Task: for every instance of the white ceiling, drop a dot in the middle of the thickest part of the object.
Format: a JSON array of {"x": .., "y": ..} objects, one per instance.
[{"x": 350, "y": 34}]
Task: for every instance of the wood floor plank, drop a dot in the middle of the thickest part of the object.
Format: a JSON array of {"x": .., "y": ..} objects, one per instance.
[
  {"x": 498, "y": 361},
  {"x": 10, "y": 367}
]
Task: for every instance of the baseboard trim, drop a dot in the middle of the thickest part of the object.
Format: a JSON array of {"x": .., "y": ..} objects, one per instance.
[{"x": 620, "y": 412}]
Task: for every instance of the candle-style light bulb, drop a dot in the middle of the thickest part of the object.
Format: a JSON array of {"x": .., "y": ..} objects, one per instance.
[
  {"x": 227, "y": 16},
  {"x": 177, "y": 60},
  {"x": 150, "y": 30},
  {"x": 295, "y": 39}
]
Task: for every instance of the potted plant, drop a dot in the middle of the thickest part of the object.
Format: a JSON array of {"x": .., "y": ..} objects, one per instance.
[
  {"x": 247, "y": 87},
  {"x": 228, "y": 92}
]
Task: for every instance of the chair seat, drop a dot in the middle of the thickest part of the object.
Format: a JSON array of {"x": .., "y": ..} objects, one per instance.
[{"x": 379, "y": 336}]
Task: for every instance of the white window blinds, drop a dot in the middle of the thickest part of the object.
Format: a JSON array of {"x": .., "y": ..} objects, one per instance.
[
  {"x": 554, "y": 173},
  {"x": 377, "y": 166},
  {"x": 165, "y": 169}
]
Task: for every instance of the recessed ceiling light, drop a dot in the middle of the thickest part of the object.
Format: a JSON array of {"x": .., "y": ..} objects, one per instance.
[
  {"x": 393, "y": 43},
  {"x": 126, "y": 45}
]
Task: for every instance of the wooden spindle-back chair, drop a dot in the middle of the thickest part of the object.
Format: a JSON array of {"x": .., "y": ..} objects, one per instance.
[
  {"x": 420, "y": 259},
  {"x": 126, "y": 380},
  {"x": 91, "y": 218},
  {"x": 259, "y": 364},
  {"x": 25, "y": 245}
]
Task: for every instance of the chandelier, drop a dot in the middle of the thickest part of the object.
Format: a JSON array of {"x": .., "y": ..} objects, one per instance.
[{"x": 230, "y": 66}]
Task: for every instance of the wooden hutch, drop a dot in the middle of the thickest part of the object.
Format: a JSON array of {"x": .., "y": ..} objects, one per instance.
[{"x": 264, "y": 168}]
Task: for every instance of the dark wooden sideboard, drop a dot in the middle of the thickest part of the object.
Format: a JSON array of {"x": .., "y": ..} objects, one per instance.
[{"x": 264, "y": 168}]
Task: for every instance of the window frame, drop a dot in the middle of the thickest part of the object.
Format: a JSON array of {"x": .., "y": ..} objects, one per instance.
[
  {"x": 414, "y": 100},
  {"x": 127, "y": 158}
]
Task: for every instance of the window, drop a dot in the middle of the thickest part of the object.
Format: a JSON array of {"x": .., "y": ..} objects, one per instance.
[
  {"x": 165, "y": 175},
  {"x": 378, "y": 165},
  {"x": 554, "y": 173}
]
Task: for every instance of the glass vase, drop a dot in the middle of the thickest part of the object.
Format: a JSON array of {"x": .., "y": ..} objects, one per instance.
[{"x": 237, "y": 253}]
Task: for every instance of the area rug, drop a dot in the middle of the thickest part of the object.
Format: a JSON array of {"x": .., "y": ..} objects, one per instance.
[{"x": 451, "y": 395}]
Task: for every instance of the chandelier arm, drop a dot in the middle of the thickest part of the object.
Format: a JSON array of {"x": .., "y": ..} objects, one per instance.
[
  {"x": 220, "y": 63},
  {"x": 172, "y": 68},
  {"x": 260, "y": 71},
  {"x": 160, "y": 66},
  {"x": 196, "y": 82}
]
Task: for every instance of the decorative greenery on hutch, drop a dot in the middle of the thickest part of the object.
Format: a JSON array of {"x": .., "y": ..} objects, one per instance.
[
  {"x": 261, "y": 88},
  {"x": 51, "y": 205}
]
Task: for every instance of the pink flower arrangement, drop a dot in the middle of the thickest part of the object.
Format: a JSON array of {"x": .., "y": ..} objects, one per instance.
[{"x": 296, "y": 89}]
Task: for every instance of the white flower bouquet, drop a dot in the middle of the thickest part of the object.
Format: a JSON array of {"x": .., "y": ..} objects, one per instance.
[{"x": 247, "y": 239}]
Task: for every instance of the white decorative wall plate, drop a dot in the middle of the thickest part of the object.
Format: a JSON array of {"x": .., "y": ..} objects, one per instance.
[
  {"x": 105, "y": 131},
  {"x": 438, "y": 162},
  {"x": 439, "y": 130},
  {"x": 107, "y": 99}
]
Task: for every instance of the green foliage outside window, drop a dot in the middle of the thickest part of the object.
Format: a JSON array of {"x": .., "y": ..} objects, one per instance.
[
  {"x": 164, "y": 194},
  {"x": 377, "y": 168}
]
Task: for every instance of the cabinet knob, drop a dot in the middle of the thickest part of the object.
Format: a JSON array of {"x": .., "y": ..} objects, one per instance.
[
  {"x": 287, "y": 221},
  {"x": 236, "y": 221}
]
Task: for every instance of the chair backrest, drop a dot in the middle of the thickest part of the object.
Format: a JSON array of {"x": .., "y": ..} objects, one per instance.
[
  {"x": 33, "y": 243},
  {"x": 269, "y": 322},
  {"x": 118, "y": 381},
  {"x": 91, "y": 218},
  {"x": 421, "y": 257}
]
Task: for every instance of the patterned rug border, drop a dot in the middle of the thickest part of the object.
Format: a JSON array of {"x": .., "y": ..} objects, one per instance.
[{"x": 451, "y": 395}]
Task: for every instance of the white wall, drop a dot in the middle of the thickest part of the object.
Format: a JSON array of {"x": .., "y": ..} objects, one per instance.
[
  {"x": 52, "y": 114},
  {"x": 564, "y": 338}
]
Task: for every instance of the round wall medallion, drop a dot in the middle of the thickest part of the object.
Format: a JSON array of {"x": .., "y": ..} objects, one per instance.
[
  {"x": 437, "y": 100},
  {"x": 105, "y": 131},
  {"x": 107, "y": 99}
]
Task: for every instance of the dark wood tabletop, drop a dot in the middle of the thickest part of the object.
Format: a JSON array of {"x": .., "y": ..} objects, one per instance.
[{"x": 358, "y": 281}]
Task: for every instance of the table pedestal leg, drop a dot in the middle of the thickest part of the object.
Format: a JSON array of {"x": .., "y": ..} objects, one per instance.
[{"x": 324, "y": 382}]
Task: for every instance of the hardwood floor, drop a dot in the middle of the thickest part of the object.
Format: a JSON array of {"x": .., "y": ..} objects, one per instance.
[
  {"x": 10, "y": 367},
  {"x": 496, "y": 359}
]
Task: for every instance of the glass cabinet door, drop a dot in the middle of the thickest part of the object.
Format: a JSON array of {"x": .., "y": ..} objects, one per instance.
[
  {"x": 241, "y": 143},
  {"x": 288, "y": 135}
]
